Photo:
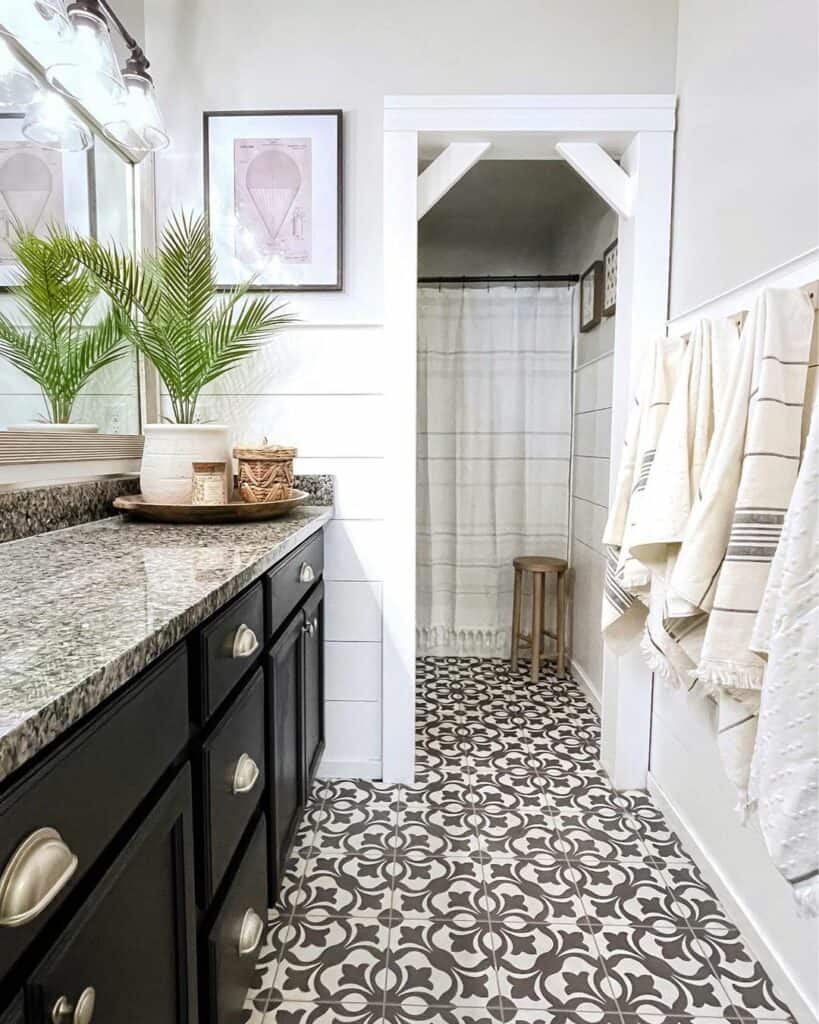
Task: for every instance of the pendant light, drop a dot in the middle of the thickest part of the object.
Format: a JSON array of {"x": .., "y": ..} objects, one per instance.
[
  {"x": 87, "y": 67},
  {"x": 18, "y": 85},
  {"x": 51, "y": 123},
  {"x": 137, "y": 123},
  {"x": 33, "y": 21}
]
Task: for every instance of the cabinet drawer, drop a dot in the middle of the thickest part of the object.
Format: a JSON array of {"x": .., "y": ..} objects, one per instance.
[
  {"x": 85, "y": 792},
  {"x": 237, "y": 934},
  {"x": 228, "y": 646},
  {"x": 129, "y": 954},
  {"x": 233, "y": 775},
  {"x": 289, "y": 581}
]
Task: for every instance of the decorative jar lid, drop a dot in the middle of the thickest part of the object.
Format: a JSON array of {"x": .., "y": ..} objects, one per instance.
[{"x": 265, "y": 452}]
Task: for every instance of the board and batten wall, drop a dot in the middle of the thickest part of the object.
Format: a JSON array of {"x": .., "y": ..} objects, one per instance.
[
  {"x": 321, "y": 386},
  {"x": 746, "y": 199}
]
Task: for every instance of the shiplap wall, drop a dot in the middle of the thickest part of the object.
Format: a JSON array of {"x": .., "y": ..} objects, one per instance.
[
  {"x": 319, "y": 388},
  {"x": 592, "y": 228}
]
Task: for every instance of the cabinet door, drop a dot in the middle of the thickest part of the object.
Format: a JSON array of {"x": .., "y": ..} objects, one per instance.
[
  {"x": 14, "y": 1013},
  {"x": 129, "y": 953},
  {"x": 313, "y": 686},
  {"x": 284, "y": 749}
]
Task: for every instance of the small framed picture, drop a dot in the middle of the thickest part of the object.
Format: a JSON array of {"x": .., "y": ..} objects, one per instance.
[
  {"x": 39, "y": 188},
  {"x": 273, "y": 197},
  {"x": 591, "y": 296},
  {"x": 610, "y": 279}
]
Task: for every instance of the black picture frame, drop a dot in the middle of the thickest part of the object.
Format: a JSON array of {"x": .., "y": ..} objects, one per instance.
[
  {"x": 609, "y": 310},
  {"x": 337, "y": 284},
  {"x": 591, "y": 278}
]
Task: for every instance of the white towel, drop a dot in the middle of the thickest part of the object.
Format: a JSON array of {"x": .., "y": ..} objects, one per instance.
[
  {"x": 784, "y": 782},
  {"x": 733, "y": 530},
  {"x": 626, "y": 589},
  {"x": 697, "y": 409}
]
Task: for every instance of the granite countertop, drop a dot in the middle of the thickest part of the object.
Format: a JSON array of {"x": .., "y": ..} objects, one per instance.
[{"x": 82, "y": 610}]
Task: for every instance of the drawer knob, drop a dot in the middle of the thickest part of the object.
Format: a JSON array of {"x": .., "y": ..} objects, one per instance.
[
  {"x": 82, "y": 1013},
  {"x": 306, "y": 573},
  {"x": 309, "y": 628},
  {"x": 250, "y": 934},
  {"x": 245, "y": 642},
  {"x": 39, "y": 868},
  {"x": 246, "y": 774}
]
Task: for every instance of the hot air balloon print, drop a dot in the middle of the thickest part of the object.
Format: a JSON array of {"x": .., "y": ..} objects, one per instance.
[
  {"x": 273, "y": 181},
  {"x": 31, "y": 193}
]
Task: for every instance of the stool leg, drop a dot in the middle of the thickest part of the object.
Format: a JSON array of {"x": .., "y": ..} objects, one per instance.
[
  {"x": 537, "y": 618},
  {"x": 561, "y": 623},
  {"x": 516, "y": 598}
]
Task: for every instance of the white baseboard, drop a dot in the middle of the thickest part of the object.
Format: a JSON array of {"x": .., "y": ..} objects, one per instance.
[
  {"x": 349, "y": 769},
  {"x": 586, "y": 684},
  {"x": 751, "y": 932}
]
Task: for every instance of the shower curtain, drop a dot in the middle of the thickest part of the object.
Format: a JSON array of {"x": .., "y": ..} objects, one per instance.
[{"x": 494, "y": 445}]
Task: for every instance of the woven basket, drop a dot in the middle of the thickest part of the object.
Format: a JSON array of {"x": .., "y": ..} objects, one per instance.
[{"x": 265, "y": 473}]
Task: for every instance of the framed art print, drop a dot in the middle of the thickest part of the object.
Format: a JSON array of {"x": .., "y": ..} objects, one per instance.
[
  {"x": 610, "y": 279},
  {"x": 39, "y": 188},
  {"x": 273, "y": 197},
  {"x": 591, "y": 296}
]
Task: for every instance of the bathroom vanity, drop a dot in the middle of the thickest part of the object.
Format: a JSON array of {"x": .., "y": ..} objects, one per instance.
[{"x": 161, "y": 721}]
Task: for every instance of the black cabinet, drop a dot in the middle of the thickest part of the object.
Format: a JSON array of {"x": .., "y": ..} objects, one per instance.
[
  {"x": 14, "y": 1013},
  {"x": 284, "y": 716},
  {"x": 130, "y": 950},
  {"x": 313, "y": 687}
]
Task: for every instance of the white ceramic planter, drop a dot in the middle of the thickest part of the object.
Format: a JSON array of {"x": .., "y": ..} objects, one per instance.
[{"x": 168, "y": 456}]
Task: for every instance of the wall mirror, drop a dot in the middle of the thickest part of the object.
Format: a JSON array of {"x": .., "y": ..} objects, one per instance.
[{"x": 63, "y": 171}]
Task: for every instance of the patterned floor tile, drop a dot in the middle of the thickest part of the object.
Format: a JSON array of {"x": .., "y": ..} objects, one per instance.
[
  {"x": 521, "y": 890},
  {"x": 437, "y": 888},
  {"x": 550, "y": 965},
  {"x": 509, "y": 883},
  {"x": 335, "y": 960},
  {"x": 666, "y": 973},
  {"x": 441, "y": 963}
]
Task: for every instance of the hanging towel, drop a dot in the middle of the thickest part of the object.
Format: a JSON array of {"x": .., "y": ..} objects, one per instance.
[
  {"x": 734, "y": 528},
  {"x": 784, "y": 784},
  {"x": 695, "y": 414},
  {"x": 626, "y": 587}
]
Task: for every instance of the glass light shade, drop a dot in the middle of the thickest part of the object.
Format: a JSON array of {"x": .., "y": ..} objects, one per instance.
[
  {"x": 50, "y": 122},
  {"x": 137, "y": 123},
  {"x": 87, "y": 67},
  {"x": 31, "y": 21},
  {"x": 18, "y": 85}
]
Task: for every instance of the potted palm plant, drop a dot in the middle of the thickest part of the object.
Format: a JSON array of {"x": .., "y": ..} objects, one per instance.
[
  {"x": 192, "y": 333},
  {"x": 49, "y": 337}
]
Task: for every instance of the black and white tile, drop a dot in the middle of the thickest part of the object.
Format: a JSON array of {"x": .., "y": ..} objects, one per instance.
[{"x": 509, "y": 883}]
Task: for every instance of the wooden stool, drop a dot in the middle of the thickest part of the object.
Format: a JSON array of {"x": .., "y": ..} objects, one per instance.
[{"x": 539, "y": 567}]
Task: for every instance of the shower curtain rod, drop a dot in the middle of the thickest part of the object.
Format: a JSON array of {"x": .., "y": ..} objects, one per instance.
[{"x": 504, "y": 279}]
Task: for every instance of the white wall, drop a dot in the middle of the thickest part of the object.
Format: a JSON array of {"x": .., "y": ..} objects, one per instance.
[
  {"x": 211, "y": 55},
  {"x": 746, "y": 188},
  {"x": 583, "y": 239}
]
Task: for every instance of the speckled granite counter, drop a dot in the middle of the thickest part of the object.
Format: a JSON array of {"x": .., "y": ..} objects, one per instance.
[{"x": 84, "y": 609}]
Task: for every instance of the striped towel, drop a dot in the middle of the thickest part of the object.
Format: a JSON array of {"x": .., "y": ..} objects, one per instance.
[
  {"x": 734, "y": 528},
  {"x": 695, "y": 414},
  {"x": 626, "y": 586}
]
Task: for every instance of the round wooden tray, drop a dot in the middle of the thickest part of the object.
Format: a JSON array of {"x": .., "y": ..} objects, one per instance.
[{"x": 233, "y": 512}]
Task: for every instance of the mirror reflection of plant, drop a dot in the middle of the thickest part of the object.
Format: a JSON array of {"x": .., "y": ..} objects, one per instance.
[
  {"x": 48, "y": 338},
  {"x": 178, "y": 318}
]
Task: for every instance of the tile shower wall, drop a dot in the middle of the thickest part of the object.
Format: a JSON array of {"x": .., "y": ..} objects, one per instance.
[{"x": 319, "y": 389}]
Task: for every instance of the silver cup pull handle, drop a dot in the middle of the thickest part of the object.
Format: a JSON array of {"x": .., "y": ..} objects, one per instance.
[
  {"x": 38, "y": 870},
  {"x": 250, "y": 933},
  {"x": 245, "y": 642},
  {"x": 306, "y": 573},
  {"x": 246, "y": 774},
  {"x": 82, "y": 1013}
]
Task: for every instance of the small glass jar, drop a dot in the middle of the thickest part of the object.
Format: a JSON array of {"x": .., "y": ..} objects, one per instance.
[{"x": 209, "y": 484}]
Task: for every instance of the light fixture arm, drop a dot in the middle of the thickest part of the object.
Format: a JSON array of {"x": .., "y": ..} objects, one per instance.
[{"x": 137, "y": 62}]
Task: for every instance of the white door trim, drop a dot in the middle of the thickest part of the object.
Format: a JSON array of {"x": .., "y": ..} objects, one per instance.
[{"x": 642, "y": 301}]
